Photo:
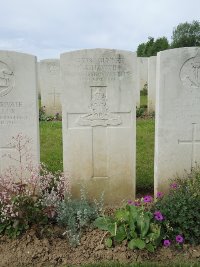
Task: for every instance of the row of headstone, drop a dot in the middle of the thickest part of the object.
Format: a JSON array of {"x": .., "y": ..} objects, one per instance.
[{"x": 98, "y": 89}]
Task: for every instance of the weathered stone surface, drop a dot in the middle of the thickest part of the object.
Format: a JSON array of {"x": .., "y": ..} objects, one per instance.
[
  {"x": 177, "y": 135},
  {"x": 151, "y": 83},
  {"x": 99, "y": 121},
  {"x": 18, "y": 106},
  {"x": 50, "y": 85},
  {"x": 142, "y": 77}
]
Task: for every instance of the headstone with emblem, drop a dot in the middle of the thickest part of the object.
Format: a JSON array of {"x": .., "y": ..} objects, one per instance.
[
  {"x": 177, "y": 133},
  {"x": 99, "y": 121}
]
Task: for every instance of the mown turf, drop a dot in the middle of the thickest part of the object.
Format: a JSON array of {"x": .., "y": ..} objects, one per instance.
[
  {"x": 145, "y": 155},
  {"x": 143, "y": 101},
  {"x": 51, "y": 150},
  {"x": 51, "y": 145}
]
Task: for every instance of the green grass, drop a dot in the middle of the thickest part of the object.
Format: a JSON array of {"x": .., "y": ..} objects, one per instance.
[
  {"x": 51, "y": 145},
  {"x": 143, "y": 100},
  {"x": 145, "y": 154},
  {"x": 51, "y": 150}
]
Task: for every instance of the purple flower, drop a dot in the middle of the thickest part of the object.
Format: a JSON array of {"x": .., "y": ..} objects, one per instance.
[
  {"x": 158, "y": 216},
  {"x": 174, "y": 185},
  {"x": 147, "y": 199},
  {"x": 166, "y": 243},
  {"x": 179, "y": 239},
  {"x": 137, "y": 203},
  {"x": 130, "y": 202},
  {"x": 159, "y": 194}
]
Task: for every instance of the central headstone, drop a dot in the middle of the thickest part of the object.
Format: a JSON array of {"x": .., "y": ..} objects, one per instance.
[{"x": 99, "y": 121}]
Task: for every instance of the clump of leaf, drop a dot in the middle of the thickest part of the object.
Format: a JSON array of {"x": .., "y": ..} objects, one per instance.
[{"x": 132, "y": 223}]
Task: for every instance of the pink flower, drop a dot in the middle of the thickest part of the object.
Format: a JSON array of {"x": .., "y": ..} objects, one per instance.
[
  {"x": 179, "y": 239},
  {"x": 174, "y": 185},
  {"x": 147, "y": 199},
  {"x": 160, "y": 194},
  {"x": 166, "y": 243},
  {"x": 158, "y": 216}
]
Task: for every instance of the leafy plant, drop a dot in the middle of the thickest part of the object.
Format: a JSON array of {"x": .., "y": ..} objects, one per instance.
[
  {"x": 76, "y": 215},
  {"x": 134, "y": 223},
  {"x": 29, "y": 194},
  {"x": 181, "y": 208}
]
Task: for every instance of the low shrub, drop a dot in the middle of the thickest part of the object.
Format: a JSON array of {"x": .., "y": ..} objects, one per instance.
[
  {"x": 181, "y": 209},
  {"x": 77, "y": 215},
  {"x": 29, "y": 194},
  {"x": 134, "y": 223}
]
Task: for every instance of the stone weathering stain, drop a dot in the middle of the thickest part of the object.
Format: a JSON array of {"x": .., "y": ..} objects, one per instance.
[{"x": 99, "y": 121}]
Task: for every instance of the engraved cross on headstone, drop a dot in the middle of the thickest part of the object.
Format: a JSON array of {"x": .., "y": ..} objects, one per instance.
[
  {"x": 3, "y": 151},
  {"x": 99, "y": 119},
  {"x": 55, "y": 95},
  {"x": 193, "y": 143}
]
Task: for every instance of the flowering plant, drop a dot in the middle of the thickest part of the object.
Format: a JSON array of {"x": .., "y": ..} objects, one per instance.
[
  {"x": 29, "y": 194},
  {"x": 181, "y": 210},
  {"x": 135, "y": 223}
]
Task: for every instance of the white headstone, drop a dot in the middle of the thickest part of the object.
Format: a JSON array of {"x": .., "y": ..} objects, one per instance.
[
  {"x": 142, "y": 77},
  {"x": 18, "y": 106},
  {"x": 151, "y": 83},
  {"x": 50, "y": 86},
  {"x": 177, "y": 135},
  {"x": 99, "y": 121}
]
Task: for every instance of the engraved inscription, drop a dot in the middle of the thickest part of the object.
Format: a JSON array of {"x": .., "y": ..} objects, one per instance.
[
  {"x": 12, "y": 113},
  {"x": 99, "y": 112},
  {"x": 190, "y": 72},
  {"x": 6, "y": 79},
  {"x": 103, "y": 69},
  {"x": 53, "y": 68}
]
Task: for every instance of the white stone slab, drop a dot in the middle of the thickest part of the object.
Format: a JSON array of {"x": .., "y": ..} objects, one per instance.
[
  {"x": 177, "y": 136},
  {"x": 50, "y": 86},
  {"x": 99, "y": 121},
  {"x": 151, "y": 84},
  {"x": 142, "y": 76},
  {"x": 18, "y": 105}
]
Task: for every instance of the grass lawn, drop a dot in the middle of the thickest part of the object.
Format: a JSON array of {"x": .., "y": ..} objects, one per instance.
[
  {"x": 51, "y": 150},
  {"x": 51, "y": 145}
]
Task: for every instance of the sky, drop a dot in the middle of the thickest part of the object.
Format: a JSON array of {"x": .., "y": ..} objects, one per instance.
[{"x": 46, "y": 28}]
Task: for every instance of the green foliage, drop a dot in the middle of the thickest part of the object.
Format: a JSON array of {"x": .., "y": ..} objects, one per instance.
[
  {"x": 181, "y": 208},
  {"x": 29, "y": 212},
  {"x": 140, "y": 112},
  {"x": 51, "y": 145},
  {"x": 152, "y": 47},
  {"x": 131, "y": 223},
  {"x": 76, "y": 215},
  {"x": 186, "y": 35},
  {"x": 145, "y": 154},
  {"x": 44, "y": 117},
  {"x": 144, "y": 92}
]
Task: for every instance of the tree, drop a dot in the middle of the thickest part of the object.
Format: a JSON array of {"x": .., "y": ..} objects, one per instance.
[
  {"x": 151, "y": 47},
  {"x": 186, "y": 35}
]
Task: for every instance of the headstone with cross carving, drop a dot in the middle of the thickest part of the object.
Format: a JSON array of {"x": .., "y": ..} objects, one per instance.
[
  {"x": 49, "y": 83},
  {"x": 99, "y": 122},
  {"x": 18, "y": 105},
  {"x": 177, "y": 138}
]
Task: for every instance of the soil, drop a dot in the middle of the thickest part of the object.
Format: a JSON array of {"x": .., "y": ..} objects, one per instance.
[{"x": 52, "y": 249}]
